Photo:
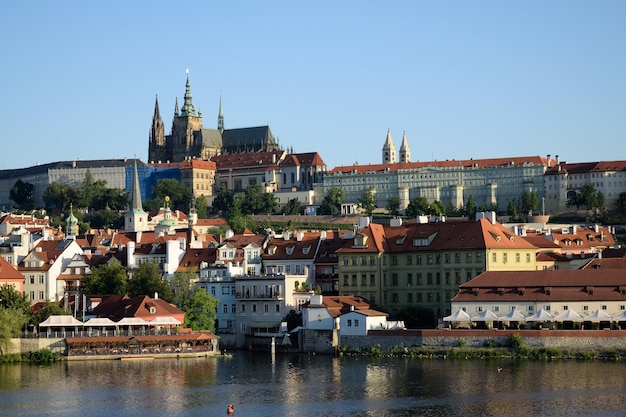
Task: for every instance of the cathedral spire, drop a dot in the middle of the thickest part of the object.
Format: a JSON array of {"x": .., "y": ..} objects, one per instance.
[
  {"x": 220, "y": 118},
  {"x": 405, "y": 152},
  {"x": 188, "y": 109},
  {"x": 136, "y": 199},
  {"x": 157, "y": 113},
  {"x": 389, "y": 150}
]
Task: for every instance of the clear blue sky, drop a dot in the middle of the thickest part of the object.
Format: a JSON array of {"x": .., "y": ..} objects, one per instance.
[{"x": 464, "y": 79}]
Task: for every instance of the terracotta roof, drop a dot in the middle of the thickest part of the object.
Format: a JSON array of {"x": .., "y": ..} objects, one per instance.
[
  {"x": 466, "y": 164},
  {"x": 194, "y": 257},
  {"x": 244, "y": 161},
  {"x": 8, "y": 272},
  {"x": 278, "y": 248},
  {"x": 546, "y": 285},
  {"x": 193, "y": 163}
]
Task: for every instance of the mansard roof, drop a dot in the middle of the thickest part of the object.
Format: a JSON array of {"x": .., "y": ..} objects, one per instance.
[
  {"x": 193, "y": 258},
  {"x": 306, "y": 248}
]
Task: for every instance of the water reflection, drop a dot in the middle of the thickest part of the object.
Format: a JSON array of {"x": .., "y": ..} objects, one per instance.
[{"x": 303, "y": 385}]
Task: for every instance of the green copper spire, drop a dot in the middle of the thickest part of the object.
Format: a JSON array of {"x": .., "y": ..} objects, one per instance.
[
  {"x": 188, "y": 109},
  {"x": 136, "y": 198}
]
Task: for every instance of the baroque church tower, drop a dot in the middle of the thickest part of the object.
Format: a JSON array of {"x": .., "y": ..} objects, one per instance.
[
  {"x": 389, "y": 150},
  {"x": 405, "y": 152},
  {"x": 136, "y": 220}
]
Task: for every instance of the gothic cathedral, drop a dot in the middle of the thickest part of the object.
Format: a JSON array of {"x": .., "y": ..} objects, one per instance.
[{"x": 188, "y": 139}]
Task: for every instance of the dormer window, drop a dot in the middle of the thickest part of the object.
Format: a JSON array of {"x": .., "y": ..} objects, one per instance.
[
  {"x": 289, "y": 249},
  {"x": 306, "y": 250}
]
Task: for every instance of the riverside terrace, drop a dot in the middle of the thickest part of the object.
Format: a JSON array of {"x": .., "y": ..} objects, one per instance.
[{"x": 120, "y": 347}]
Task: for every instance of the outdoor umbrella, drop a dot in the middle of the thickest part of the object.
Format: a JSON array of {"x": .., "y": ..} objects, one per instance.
[
  {"x": 598, "y": 316},
  {"x": 569, "y": 315},
  {"x": 513, "y": 315},
  {"x": 541, "y": 315},
  {"x": 487, "y": 316},
  {"x": 459, "y": 315}
]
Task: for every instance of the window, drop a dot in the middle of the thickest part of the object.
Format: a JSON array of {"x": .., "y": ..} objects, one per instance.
[
  {"x": 372, "y": 260},
  {"x": 363, "y": 260},
  {"x": 41, "y": 279},
  {"x": 429, "y": 278},
  {"x": 565, "y": 308},
  {"x": 622, "y": 307},
  {"x": 356, "y": 322},
  {"x": 243, "y": 308},
  {"x": 530, "y": 308},
  {"x": 504, "y": 257},
  {"x": 409, "y": 279},
  {"x": 419, "y": 278},
  {"x": 394, "y": 279},
  {"x": 409, "y": 259},
  {"x": 494, "y": 257},
  {"x": 468, "y": 257},
  {"x": 354, "y": 279},
  {"x": 349, "y": 323},
  {"x": 372, "y": 280},
  {"x": 429, "y": 259},
  {"x": 418, "y": 259},
  {"x": 41, "y": 296},
  {"x": 277, "y": 308},
  {"x": 603, "y": 307},
  {"x": 446, "y": 258},
  {"x": 547, "y": 308},
  {"x": 363, "y": 279},
  {"x": 394, "y": 297},
  {"x": 345, "y": 280},
  {"x": 409, "y": 297},
  {"x": 585, "y": 308},
  {"x": 225, "y": 309},
  {"x": 266, "y": 308},
  {"x": 479, "y": 309},
  {"x": 394, "y": 260},
  {"x": 528, "y": 258},
  {"x": 233, "y": 308},
  {"x": 457, "y": 258},
  {"x": 517, "y": 257},
  {"x": 31, "y": 279},
  {"x": 496, "y": 308}
]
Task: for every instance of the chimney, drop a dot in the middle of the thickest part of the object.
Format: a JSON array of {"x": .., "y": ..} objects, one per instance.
[{"x": 156, "y": 295}]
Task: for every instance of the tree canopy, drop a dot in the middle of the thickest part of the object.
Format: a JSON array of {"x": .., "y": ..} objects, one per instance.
[
  {"x": 200, "y": 310},
  {"x": 147, "y": 280},
  {"x": 367, "y": 202},
  {"x": 332, "y": 202},
  {"x": 108, "y": 279},
  {"x": 22, "y": 194},
  {"x": 586, "y": 197},
  {"x": 393, "y": 205}
]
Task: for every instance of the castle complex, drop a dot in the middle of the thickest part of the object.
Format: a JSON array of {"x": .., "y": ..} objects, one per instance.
[{"x": 189, "y": 139}]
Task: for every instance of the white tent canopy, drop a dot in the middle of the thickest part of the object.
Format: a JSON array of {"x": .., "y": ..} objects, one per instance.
[
  {"x": 541, "y": 315},
  {"x": 164, "y": 321},
  {"x": 598, "y": 316},
  {"x": 459, "y": 315},
  {"x": 569, "y": 315},
  {"x": 621, "y": 317},
  {"x": 100, "y": 322},
  {"x": 513, "y": 315},
  {"x": 60, "y": 321},
  {"x": 487, "y": 316},
  {"x": 133, "y": 321}
]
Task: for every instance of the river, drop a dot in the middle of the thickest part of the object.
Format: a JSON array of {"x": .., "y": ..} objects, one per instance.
[{"x": 313, "y": 385}]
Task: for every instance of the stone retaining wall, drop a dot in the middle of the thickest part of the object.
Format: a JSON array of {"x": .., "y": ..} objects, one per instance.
[{"x": 575, "y": 340}]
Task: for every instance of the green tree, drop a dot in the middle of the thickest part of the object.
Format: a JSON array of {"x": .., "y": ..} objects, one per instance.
[
  {"x": 367, "y": 202},
  {"x": 437, "y": 208},
  {"x": 11, "y": 323},
  {"x": 102, "y": 219},
  {"x": 293, "y": 320},
  {"x": 13, "y": 299},
  {"x": 293, "y": 207},
  {"x": 58, "y": 197},
  {"x": 529, "y": 202},
  {"x": 180, "y": 196},
  {"x": 257, "y": 201},
  {"x": 331, "y": 204},
  {"x": 202, "y": 207},
  {"x": 147, "y": 280},
  {"x": 108, "y": 279},
  {"x": 393, "y": 205},
  {"x": 223, "y": 201},
  {"x": 470, "y": 207},
  {"x": 22, "y": 194},
  {"x": 182, "y": 286},
  {"x": 200, "y": 311},
  {"x": 512, "y": 209},
  {"x": 586, "y": 197},
  {"x": 621, "y": 203},
  {"x": 91, "y": 192},
  {"x": 417, "y": 207}
]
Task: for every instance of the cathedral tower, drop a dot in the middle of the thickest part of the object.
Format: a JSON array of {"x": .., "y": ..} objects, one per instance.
[
  {"x": 389, "y": 150},
  {"x": 157, "y": 148},
  {"x": 184, "y": 124},
  {"x": 405, "y": 152}
]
